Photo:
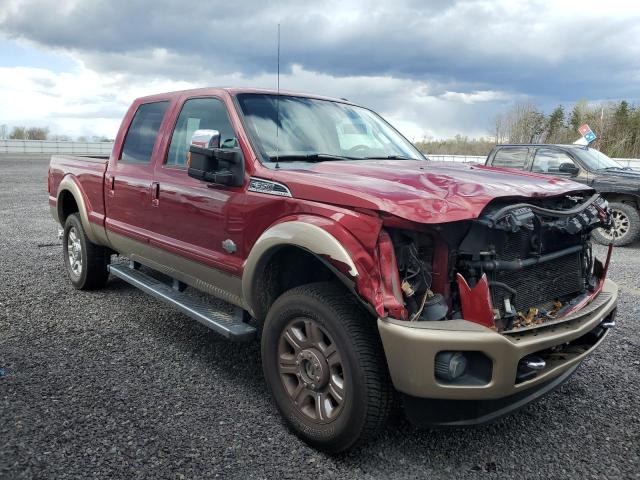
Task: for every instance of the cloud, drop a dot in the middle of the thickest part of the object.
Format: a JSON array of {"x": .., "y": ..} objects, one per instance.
[
  {"x": 434, "y": 68},
  {"x": 85, "y": 102},
  {"x": 82, "y": 102},
  {"x": 570, "y": 49}
]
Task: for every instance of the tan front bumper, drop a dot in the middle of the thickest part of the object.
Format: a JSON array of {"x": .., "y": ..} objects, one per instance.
[{"x": 411, "y": 349}]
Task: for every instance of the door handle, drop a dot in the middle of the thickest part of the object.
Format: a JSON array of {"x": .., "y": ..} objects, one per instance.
[
  {"x": 111, "y": 182},
  {"x": 155, "y": 194}
]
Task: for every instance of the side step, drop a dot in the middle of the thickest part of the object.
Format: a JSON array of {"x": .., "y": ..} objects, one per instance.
[{"x": 230, "y": 326}]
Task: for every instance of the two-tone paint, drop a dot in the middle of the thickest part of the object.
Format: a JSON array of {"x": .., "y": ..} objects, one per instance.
[
  {"x": 159, "y": 215},
  {"x": 221, "y": 239}
]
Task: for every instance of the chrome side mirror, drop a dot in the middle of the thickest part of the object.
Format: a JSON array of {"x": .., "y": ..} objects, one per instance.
[
  {"x": 206, "y": 139},
  {"x": 208, "y": 162}
]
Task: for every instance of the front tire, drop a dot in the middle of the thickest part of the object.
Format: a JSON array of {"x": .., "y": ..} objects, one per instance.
[
  {"x": 85, "y": 262},
  {"x": 325, "y": 368},
  {"x": 625, "y": 229}
]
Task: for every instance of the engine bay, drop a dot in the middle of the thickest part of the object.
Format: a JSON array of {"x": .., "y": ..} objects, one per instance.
[{"x": 520, "y": 264}]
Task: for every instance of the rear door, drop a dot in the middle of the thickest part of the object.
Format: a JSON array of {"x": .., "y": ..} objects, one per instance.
[
  {"x": 516, "y": 157},
  {"x": 129, "y": 177}
]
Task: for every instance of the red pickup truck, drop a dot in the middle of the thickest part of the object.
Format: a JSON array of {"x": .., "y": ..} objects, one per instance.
[{"x": 371, "y": 273}]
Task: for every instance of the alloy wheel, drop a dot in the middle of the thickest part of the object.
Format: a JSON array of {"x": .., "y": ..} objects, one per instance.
[
  {"x": 620, "y": 225},
  {"x": 311, "y": 370},
  {"x": 74, "y": 252}
]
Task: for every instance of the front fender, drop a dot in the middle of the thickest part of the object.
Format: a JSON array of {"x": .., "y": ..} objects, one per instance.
[
  {"x": 324, "y": 238},
  {"x": 619, "y": 194}
]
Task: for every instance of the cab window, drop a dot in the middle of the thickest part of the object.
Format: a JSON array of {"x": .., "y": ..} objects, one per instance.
[
  {"x": 511, "y": 157},
  {"x": 142, "y": 133},
  {"x": 199, "y": 114},
  {"x": 548, "y": 160}
]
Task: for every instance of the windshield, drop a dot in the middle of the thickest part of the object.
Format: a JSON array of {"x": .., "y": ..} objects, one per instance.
[
  {"x": 320, "y": 130},
  {"x": 596, "y": 160}
]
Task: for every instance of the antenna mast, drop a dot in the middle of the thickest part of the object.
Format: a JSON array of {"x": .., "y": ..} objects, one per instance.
[{"x": 278, "y": 105}]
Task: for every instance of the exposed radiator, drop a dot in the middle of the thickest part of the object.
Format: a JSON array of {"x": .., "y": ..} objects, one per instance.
[{"x": 539, "y": 285}]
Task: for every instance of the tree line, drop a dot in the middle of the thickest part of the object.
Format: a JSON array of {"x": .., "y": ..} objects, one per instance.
[
  {"x": 617, "y": 125},
  {"x": 42, "y": 133},
  {"x": 30, "y": 133}
]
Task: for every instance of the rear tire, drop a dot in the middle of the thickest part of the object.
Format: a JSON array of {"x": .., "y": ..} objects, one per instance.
[
  {"x": 325, "y": 368},
  {"x": 85, "y": 262},
  {"x": 625, "y": 229}
]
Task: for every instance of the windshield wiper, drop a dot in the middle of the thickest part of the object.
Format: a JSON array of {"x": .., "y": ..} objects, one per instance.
[
  {"x": 311, "y": 157},
  {"x": 390, "y": 157}
]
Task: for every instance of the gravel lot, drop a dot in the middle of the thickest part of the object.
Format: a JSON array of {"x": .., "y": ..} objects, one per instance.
[{"x": 114, "y": 384}]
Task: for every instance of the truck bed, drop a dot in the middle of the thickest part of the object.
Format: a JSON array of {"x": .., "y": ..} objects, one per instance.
[{"x": 87, "y": 173}]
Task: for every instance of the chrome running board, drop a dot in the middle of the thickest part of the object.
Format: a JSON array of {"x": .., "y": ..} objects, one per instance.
[{"x": 228, "y": 325}]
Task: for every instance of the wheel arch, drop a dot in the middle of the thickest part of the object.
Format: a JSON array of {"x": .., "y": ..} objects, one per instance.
[
  {"x": 70, "y": 199},
  {"x": 627, "y": 198},
  {"x": 311, "y": 248}
]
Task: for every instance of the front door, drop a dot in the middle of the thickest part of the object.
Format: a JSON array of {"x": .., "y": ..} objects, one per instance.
[
  {"x": 549, "y": 161},
  {"x": 200, "y": 223}
]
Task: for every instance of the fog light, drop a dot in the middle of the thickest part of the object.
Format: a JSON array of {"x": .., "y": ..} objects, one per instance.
[
  {"x": 532, "y": 362},
  {"x": 529, "y": 367},
  {"x": 450, "y": 365}
]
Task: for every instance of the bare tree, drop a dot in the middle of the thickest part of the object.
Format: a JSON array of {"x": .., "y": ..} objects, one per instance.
[
  {"x": 501, "y": 127},
  {"x": 523, "y": 123},
  {"x": 37, "y": 133},
  {"x": 18, "y": 133},
  {"x": 458, "y": 145},
  {"x": 616, "y": 124}
]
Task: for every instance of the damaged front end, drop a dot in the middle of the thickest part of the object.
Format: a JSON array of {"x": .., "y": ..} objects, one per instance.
[{"x": 518, "y": 265}]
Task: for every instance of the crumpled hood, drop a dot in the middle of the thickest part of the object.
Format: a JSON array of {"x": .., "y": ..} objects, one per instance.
[{"x": 420, "y": 191}]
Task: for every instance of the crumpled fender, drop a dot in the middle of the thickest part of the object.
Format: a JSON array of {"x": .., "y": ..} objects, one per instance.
[
  {"x": 356, "y": 265},
  {"x": 392, "y": 299},
  {"x": 476, "y": 302}
]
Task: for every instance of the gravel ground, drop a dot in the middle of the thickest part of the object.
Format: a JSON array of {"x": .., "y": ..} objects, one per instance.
[{"x": 114, "y": 384}]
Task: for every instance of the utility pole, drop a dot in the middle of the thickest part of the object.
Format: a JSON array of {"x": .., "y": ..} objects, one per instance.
[{"x": 601, "y": 132}]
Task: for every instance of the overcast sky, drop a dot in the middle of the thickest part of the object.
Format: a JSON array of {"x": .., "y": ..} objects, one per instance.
[{"x": 434, "y": 68}]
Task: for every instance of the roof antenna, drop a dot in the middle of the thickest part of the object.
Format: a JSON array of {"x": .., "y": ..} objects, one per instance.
[{"x": 278, "y": 105}]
